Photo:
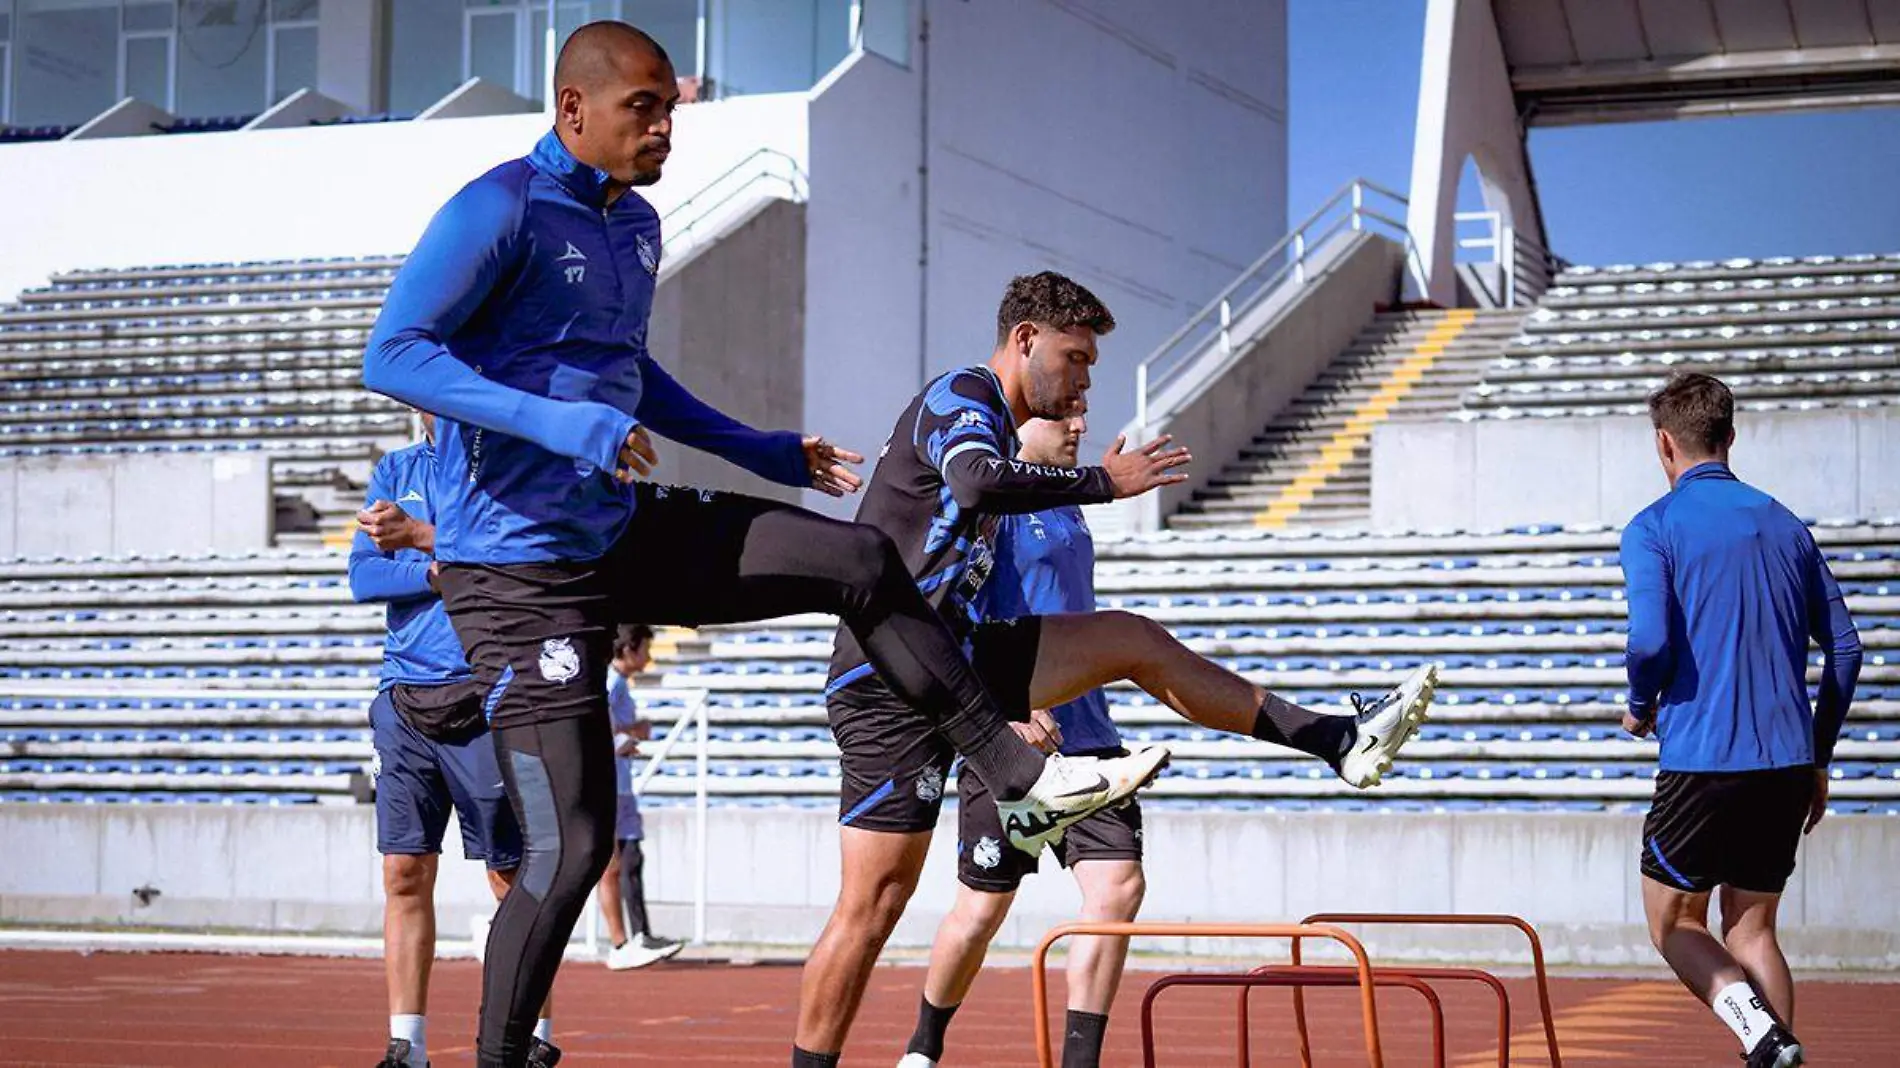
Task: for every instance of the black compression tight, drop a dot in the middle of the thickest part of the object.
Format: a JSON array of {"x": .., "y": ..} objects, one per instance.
[{"x": 560, "y": 780}]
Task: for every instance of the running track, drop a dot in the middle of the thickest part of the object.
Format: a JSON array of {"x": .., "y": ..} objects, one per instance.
[{"x": 292, "y": 1012}]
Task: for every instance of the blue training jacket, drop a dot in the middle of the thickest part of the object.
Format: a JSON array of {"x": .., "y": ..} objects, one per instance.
[
  {"x": 1725, "y": 588},
  {"x": 421, "y": 647},
  {"x": 520, "y": 320},
  {"x": 1045, "y": 564}
]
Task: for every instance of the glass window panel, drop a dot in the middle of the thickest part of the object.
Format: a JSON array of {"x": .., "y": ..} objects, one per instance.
[
  {"x": 425, "y": 52},
  {"x": 148, "y": 65},
  {"x": 148, "y": 15},
  {"x": 221, "y": 58},
  {"x": 6, "y": 80},
  {"x": 6, "y": 20},
  {"x": 831, "y": 36},
  {"x": 673, "y": 23},
  {"x": 294, "y": 10},
  {"x": 295, "y": 64},
  {"x": 67, "y": 68},
  {"x": 491, "y": 47},
  {"x": 765, "y": 46},
  {"x": 886, "y": 29},
  {"x": 568, "y": 18}
]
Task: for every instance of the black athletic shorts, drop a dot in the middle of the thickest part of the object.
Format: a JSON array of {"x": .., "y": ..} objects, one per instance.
[
  {"x": 894, "y": 762},
  {"x": 1737, "y": 829},
  {"x": 538, "y": 636},
  {"x": 986, "y": 862}
]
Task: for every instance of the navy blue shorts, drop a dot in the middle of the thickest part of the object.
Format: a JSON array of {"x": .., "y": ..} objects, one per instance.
[{"x": 418, "y": 781}]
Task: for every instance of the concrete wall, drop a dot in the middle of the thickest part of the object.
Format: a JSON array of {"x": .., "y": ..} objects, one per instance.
[
  {"x": 162, "y": 503},
  {"x": 993, "y": 154},
  {"x": 332, "y": 191},
  {"x": 775, "y": 873},
  {"x": 1490, "y": 473},
  {"x": 1221, "y": 403},
  {"x": 729, "y": 323}
]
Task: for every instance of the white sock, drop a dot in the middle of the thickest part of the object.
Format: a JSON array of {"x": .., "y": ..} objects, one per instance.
[
  {"x": 1743, "y": 1012},
  {"x": 415, "y": 1028},
  {"x": 544, "y": 1029}
]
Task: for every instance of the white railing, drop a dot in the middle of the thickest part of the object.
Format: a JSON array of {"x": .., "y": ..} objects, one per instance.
[
  {"x": 764, "y": 169},
  {"x": 1526, "y": 267},
  {"x": 1357, "y": 206},
  {"x": 693, "y": 717}
]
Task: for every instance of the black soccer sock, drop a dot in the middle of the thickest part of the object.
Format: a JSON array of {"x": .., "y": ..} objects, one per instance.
[
  {"x": 1327, "y": 737},
  {"x": 802, "y": 1058},
  {"x": 932, "y": 1022},
  {"x": 1082, "y": 1044}
]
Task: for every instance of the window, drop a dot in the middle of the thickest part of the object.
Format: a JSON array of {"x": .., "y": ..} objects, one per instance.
[
  {"x": 67, "y": 66},
  {"x": 293, "y": 47},
  {"x": 147, "y": 52},
  {"x": 673, "y": 23},
  {"x": 6, "y": 55},
  {"x": 222, "y": 45},
  {"x": 777, "y": 46},
  {"x": 425, "y": 52}
]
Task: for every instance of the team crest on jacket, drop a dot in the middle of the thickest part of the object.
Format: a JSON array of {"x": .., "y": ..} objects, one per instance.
[
  {"x": 988, "y": 852},
  {"x": 649, "y": 254},
  {"x": 930, "y": 784},
  {"x": 559, "y": 662}
]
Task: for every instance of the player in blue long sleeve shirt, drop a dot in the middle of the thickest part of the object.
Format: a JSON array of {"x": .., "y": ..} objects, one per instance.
[
  {"x": 1725, "y": 589},
  {"x": 520, "y": 320},
  {"x": 429, "y": 759}
]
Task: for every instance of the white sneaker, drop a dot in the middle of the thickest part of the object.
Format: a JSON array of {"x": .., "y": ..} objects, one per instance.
[
  {"x": 1386, "y": 725},
  {"x": 1071, "y": 788},
  {"x": 916, "y": 1060},
  {"x": 478, "y": 933},
  {"x": 640, "y": 951}
]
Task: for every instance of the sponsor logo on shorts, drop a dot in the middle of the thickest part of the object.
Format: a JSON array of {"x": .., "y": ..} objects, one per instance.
[
  {"x": 559, "y": 662},
  {"x": 930, "y": 784},
  {"x": 988, "y": 852}
]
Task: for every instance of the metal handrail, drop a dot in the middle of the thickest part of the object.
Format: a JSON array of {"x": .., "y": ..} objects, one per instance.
[
  {"x": 1529, "y": 267},
  {"x": 760, "y": 166},
  {"x": 1287, "y": 259}
]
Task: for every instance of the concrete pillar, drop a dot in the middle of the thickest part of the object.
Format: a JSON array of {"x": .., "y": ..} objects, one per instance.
[
  {"x": 351, "y": 40},
  {"x": 1465, "y": 109}
]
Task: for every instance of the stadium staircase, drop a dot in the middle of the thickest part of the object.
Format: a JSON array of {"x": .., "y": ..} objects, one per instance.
[
  {"x": 242, "y": 679},
  {"x": 1312, "y": 465}
]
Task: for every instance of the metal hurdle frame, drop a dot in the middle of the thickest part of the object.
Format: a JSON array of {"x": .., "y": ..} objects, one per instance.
[
  {"x": 1446, "y": 919},
  {"x": 1297, "y": 977},
  {"x": 1361, "y": 970}
]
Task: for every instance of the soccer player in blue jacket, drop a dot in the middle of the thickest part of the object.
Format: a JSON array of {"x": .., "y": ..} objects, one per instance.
[
  {"x": 520, "y": 320},
  {"x": 433, "y": 752},
  {"x": 1726, "y": 587}
]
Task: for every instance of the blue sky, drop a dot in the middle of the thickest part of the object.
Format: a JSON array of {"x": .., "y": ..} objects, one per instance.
[{"x": 1696, "y": 189}]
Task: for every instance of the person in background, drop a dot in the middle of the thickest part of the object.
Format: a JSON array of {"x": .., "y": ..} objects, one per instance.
[
  {"x": 623, "y": 899},
  {"x": 1726, "y": 588}
]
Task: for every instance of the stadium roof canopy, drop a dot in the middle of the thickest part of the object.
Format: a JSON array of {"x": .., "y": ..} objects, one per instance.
[
  {"x": 1494, "y": 68},
  {"x": 1586, "y": 61}
]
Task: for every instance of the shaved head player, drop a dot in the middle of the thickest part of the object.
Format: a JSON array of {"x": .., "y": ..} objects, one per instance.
[{"x": 520, "y": 320}]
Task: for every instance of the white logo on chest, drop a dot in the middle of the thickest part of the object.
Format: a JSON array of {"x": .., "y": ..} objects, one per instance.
[
  {"x": 577, "y": 273},
  {"x": 559, "y": 662}
]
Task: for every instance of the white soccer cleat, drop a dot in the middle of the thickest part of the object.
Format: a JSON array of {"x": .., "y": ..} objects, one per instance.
[
  {"x": 1386, "y": 725},
  {"x": 640, "y": 951},
  {"x": 916, "y": 1060},
  {"x": 478, "y": 934},
  {"x": 1071, "y": 788}
]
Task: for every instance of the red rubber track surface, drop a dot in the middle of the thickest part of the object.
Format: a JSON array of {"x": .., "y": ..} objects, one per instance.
[{"x": 293, "y": 1012}]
